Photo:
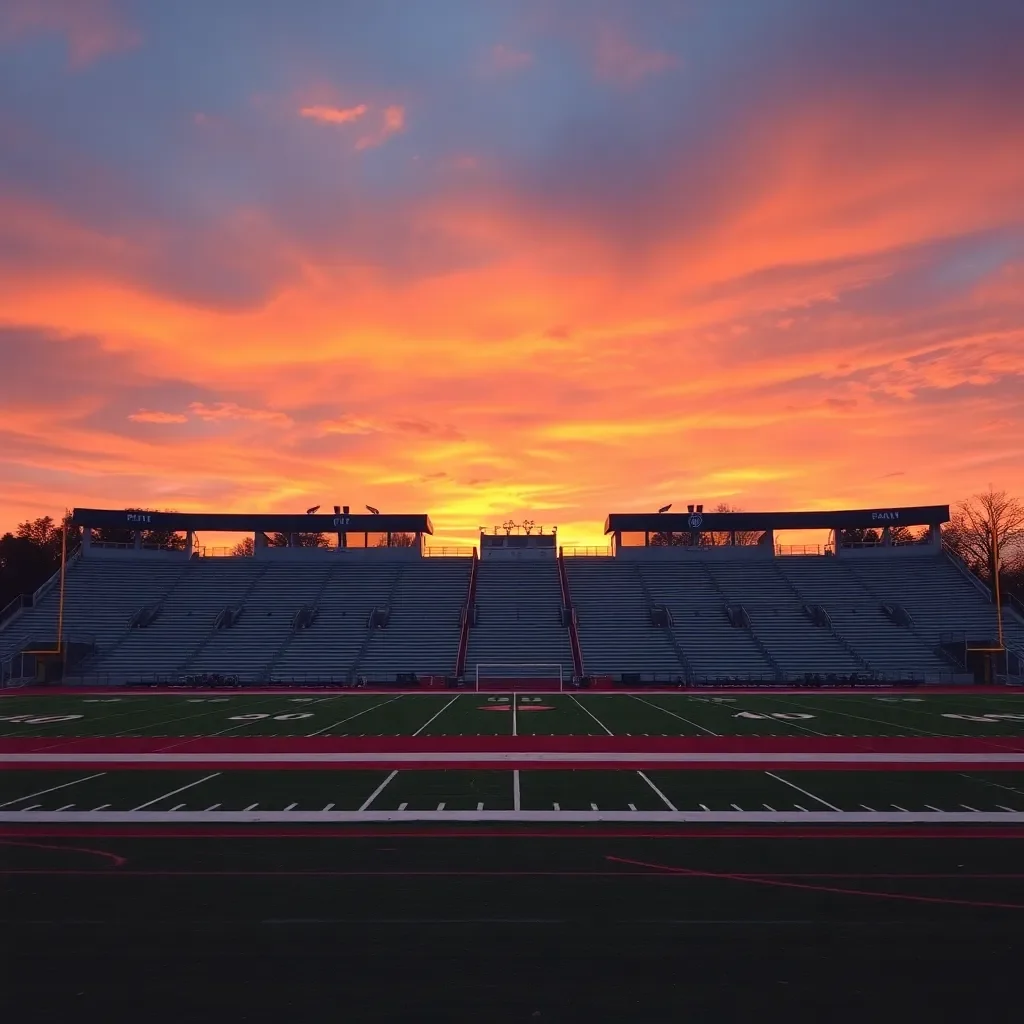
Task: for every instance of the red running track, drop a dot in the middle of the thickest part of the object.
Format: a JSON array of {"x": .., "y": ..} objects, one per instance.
[{"x": 509, "y": 752}]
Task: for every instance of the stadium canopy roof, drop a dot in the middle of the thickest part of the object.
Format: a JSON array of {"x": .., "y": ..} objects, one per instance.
[
  {"x": 264, "y": 522},
  {"x": 846, "y": 519}
]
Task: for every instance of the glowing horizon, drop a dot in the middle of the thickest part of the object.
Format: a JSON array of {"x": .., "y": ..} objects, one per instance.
[{"x": 560, "y": 263}]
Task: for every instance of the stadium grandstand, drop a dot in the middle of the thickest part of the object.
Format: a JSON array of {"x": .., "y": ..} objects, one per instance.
[{"x": 685, "y": 599}]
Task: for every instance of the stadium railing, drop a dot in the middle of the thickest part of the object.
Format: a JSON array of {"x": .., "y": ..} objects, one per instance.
[
  {"x": 581, "y": 552},
  {"x": 802, "y": 549},
  {"x": 448, "y": 552}
]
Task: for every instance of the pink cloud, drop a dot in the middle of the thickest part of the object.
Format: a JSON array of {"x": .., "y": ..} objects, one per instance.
[
  {"x": 219, "y": 412},
  {"x": 92, "y": 28},
  {"x": 155, "y": 416},
  {"x": 618, "y": 59},
  {"x": 333, "y": 115},
  {"x": 393, "y": 122}
]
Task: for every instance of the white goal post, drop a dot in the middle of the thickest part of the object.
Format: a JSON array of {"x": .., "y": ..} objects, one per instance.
[{"x": 518, "y": 675}]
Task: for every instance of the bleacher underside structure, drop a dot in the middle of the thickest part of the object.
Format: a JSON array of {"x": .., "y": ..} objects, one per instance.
[{"x": 676, "y": 600}]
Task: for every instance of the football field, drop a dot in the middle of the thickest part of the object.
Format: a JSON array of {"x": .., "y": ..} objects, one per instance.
[{"x": 854, "y": 757}]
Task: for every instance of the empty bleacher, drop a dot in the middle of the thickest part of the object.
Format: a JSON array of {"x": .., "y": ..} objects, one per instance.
[
  {"x": 712, "y": 645},
  {"x": 422, "y": 634},
  {"x": 615, "y": 630},
  {"x": 519, "y": 607}
]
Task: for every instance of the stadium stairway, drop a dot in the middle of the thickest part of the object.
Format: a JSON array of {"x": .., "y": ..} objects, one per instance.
[
  {"x": 615, "y": 629},
  {"x": 713, "y": 647},
  {"x": 519, "y": 607},
  {"x": 857, "y": 616},
  {"x": 328, "y": 649},
  {"x": 422, "y": 634},
  {"x": 777, "y": 619}
]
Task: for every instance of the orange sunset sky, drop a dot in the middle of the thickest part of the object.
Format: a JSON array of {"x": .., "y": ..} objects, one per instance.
[{"x": 509, "y": 259}]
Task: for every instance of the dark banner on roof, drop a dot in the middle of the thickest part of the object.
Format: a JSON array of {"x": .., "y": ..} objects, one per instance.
[
  {"x": 223, "y": 522},
  {"x": 846, "y": 519}
]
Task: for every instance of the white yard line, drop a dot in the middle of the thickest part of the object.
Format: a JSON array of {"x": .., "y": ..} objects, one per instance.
[
  {"x": 441, "y": 712},
  {"x": 175, "y": 792},
  {"x": 515, "y": 790},
  {"x": 377, "y": 792},
  {"x": 779, "y": 778},
  {"x": 572, "y": 697},
  {"x": 658, "y": 707},
  {"x": 514, "y": 726},
  {"x": 52, "y": 789},
  {"x": 664, "y": 799},
  {"x": 356, "y": 715}
]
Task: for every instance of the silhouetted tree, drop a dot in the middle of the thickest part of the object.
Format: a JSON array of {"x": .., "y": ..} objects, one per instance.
[
  {"x": 970, "y": 535},
  {"x": 302, "y": 540},
  {"x": 244, "y": 548}
]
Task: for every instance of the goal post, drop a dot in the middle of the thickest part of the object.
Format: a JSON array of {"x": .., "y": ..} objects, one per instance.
[{"x": 495, "y": 676}]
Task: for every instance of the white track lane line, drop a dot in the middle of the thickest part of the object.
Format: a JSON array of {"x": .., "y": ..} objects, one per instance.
[
  {"x": 356, "y": 715},
  {"x": 438, "y": 714},
  {"x": 664, "y": 799},
  {"x": 175, "y": 792},
  {"x": 52, "y": 789},
  {"x": 572, "y": 697},
  {"x": 779, "y": 778},
  {"x": 658, "y": 707},
  {"x": 377, "y": 792}
]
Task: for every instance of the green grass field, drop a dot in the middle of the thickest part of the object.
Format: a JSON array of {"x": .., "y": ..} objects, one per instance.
[{"x": 480, "y": 714}]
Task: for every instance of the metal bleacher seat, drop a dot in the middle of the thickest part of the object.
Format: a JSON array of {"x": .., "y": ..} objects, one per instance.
[
  {"x": 615, "y": 630},
  {"x": 712, "y": 645},
  {"x": 331, "y": 646},
  {"x": 422, "y": 633},
  {"x": 857, "y": 616},
  {"x": 777, "y": 619},
  {"x": 519, "y": 605}
]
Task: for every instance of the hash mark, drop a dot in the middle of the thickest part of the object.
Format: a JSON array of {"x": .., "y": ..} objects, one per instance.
[
  {"x": 594, "y": 807},
  {"x": 799, "y": 808},
  {"x": 1000, "y": 806},
  {"x": 178, "y": 808},
  {"x": 736, "y": 807},
  {"x": 704, "y": 807},
  {"x": 402, "y": 807},
  {"x": 66, "y": 807},
  {"x": 866, "y": 808},
  {"x": 291, "y": 807},
  {"x": 975, "y": 809},
  {"x": 772, "y": 809},
  {"x": 251, "y": 807},
  {"x": 440, "y": 806},
  {"x": 212, "y": 807},
  {"x": 930, "y": 808},
  {"x": 632, "y": 807},
  {"x": 31, "y": 807},
  {"x": 556, "y": 807},
  {"x": 898, "y": 808},
  {"x": 328, "y": 807},
  {"x": 480, "y": 806},
  {"x": 101, "y": 807}
]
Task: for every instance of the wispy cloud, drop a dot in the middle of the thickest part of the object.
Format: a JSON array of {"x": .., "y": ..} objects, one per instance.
[
  {"x": 93, "y": 28},
  {"x": 392, "y": 122},
  {"x": 619, "y": 59},
  {"x": 155, "y": 416},
  {"x": 333, "y": 115}
]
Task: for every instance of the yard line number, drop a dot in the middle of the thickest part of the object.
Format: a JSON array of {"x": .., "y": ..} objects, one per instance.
[
  {"x": 992, "y": 718},
  {"x": 785, "y": 716},
  {"x": 38, "y": 719},
  {"x": 277, "y": 718}
]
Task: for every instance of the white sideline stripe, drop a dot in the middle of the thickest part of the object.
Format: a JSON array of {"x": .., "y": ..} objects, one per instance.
[
  {"x": 377, "y": 792},
  {"x": 572, "y": 697},
  {"x": 550, "y": 817},
  {"x": 52, "y": 789},
  {"x": 778, "y": 778},
  {"x": 175, "y": 792},
  {"x": 664, "y": 799},
  {"x": 505, "y": 756},
  {"x": 441, "y": 712},
  {"x": 373, "y": 707},
  {"x": 658, "y": 707}
]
